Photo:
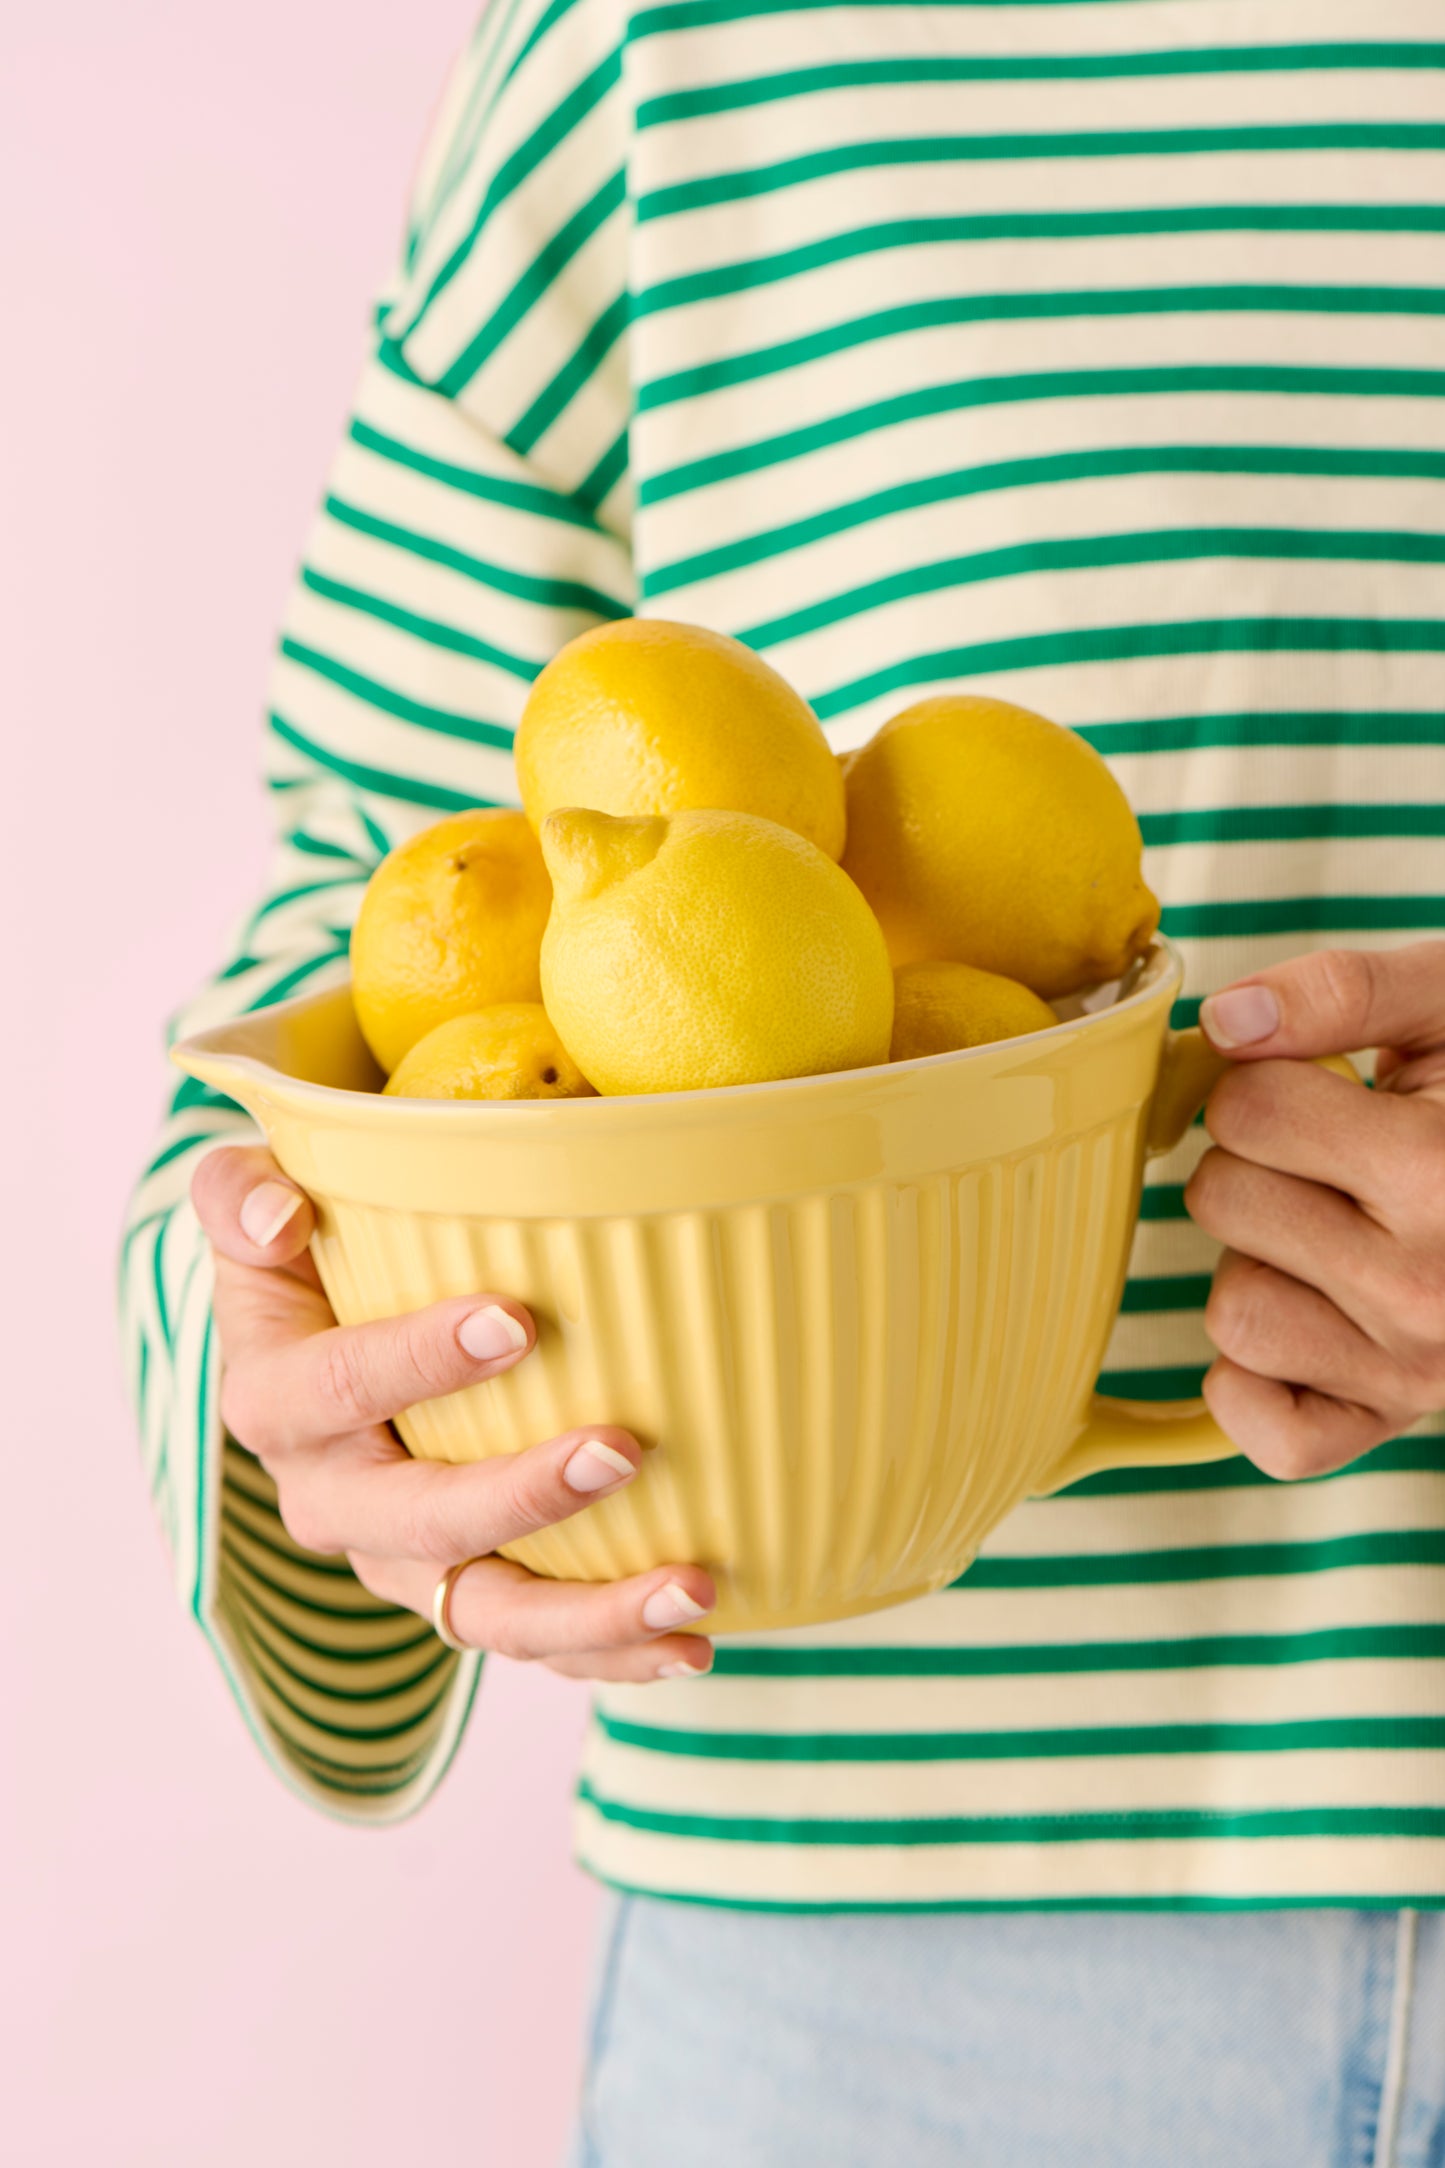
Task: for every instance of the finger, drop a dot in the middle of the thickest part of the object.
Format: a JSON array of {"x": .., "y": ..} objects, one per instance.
[
  {"x": 1302, "y": 1228},
  {"x": 1333, "y": 1002},
  {"x": 1290, "y": 1431},
  {"x": 369, "y": 1495},
  {"x": 1277, "y": 1327},
  {"x": 249, "y": 1209},
  {"x": 676, "y": 1656},
  {"x": 497, "y": 1604},
  {"x": 351, "y": 1377},
  {"x": 1305, "y": 1121}
]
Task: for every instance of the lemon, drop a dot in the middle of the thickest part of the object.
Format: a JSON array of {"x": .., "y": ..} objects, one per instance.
[
  {"x": 983, "y": 834},
  {"x": 939, "y": 1007},
  {"x": 711, "y": 948},
  {"x": 644, "y": 716},
  {"x": 451, "y": 921},
  {"x": 509, "y": 1051}
]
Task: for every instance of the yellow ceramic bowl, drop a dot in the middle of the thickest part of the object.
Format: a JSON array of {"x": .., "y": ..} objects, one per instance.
[{"x": 855, "y": 1318}]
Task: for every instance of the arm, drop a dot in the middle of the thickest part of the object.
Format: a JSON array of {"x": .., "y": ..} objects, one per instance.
[{"x": 474, "y": 520}]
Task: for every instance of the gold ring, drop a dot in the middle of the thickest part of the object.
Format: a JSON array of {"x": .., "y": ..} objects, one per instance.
[{"x": 441, "y": 1599}]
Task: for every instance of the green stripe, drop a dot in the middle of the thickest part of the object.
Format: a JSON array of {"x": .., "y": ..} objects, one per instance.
[
  {"x": 549, "y": 594},
  {"x": 1097, "y": 553},
  {"x": 530, "y": 497},
  {"x": 1127, "y": 643},
  {"x": 708, "y": 190},
  {"x": 695, "y": 102},
  {"x": 1194, "y": 733},
  {"x": 285, "y": 896},
  {"x": 950, "y": 310},
  {"x": 545, "y": 267},
  {"x": 407, "y": 789},
  {"x": 1046, "y": 471},
  {"x": 1215, "y": 1562},
  {"x": 288, "y": 982},
  {"x": 676, "y": 15},
  {"x": 1326, "y": 1900},
  {"x": 1176, "y": 1825},
  {"x": 1305, "y": 914},
  {"x": 443, "y": 721},
  {"x": 437, "y": 1659},
  {"x": 1181, "y": 1381},
  {"x": 560, "y": 121},
  {"x": 158, "y": 1280},
  {"x": 482, "y": 101},
  {"x": 430, "y": 630},
  {"x": 174, "y": 1151},
  {"x": 1289, "y": 823},
  {"x": 297, "y": 839},
  {"x": 1375, "y": 1734},
  {"x": 1032, "y": 1659},
  {"x": 357, "y": 1728},
  {"x": 930, "y": 400},
  {"x": 365, "y": 1607},
  {"x": 334, "y": 1652},
  {"x": 1175, "y": 221},
  {"x": 596, "y": 487},
  {"x": 556, "y": 395},
  {"x": 1400, "y": 1456},
  {"x": 1166, "y": 1291}
]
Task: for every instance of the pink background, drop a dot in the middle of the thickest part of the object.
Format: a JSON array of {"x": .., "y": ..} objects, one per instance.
[{"x": 198, "y": 1972}]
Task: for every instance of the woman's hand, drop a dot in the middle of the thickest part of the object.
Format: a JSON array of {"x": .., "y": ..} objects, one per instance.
[
  {"x": 313, "y": 1401},
  {"x": 1328, "y": 1307}
]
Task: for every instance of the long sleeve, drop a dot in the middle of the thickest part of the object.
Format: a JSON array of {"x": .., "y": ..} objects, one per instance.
[{"x": 475, "y": 518}]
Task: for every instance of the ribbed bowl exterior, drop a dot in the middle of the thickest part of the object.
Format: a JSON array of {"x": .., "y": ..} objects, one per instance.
[{"x": 853, "y": 1320}]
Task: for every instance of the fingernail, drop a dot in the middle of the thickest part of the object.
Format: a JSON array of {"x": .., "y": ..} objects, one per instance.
[
  {"x": 269, "y": 1208},
  {"x": 1241, "y": 1017},
  {"x": 594, "y": 1465},
  {"x": 491, "y": 1332},
  {"x": 670, "y": 1605},
  {"x": 684, "y": 1671}
]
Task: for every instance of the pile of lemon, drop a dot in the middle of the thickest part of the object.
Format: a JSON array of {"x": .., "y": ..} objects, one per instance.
[{"x": 699, "y": 892}]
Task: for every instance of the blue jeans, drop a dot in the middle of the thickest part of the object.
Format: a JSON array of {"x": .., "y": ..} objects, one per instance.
[{"x": 723, "y": 2039}]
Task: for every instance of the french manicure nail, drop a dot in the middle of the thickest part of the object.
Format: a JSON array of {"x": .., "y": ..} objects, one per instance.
[
  {"x": 683, "y": 1671},
  {"x": 270, "y": 1207},
  {"x": 1240, "y": 1017},
  {"x": 670, "y": 1605},
  {"x": 491, "y": 1332},
  {"x": 594, "y": 1465}
]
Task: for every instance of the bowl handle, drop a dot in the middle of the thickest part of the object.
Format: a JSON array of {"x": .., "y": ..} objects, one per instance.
[{"x": 1162, "y": 1433}]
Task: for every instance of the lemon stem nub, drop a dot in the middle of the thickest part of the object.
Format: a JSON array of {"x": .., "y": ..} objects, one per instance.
[{"x": 587, "y": 852}]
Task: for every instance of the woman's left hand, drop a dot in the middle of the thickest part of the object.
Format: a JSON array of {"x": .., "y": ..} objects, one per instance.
[{"x": 1328, "y": 1307}]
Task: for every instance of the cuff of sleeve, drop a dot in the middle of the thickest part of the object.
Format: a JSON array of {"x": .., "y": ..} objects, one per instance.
[{"x": 354, "y": 1702}]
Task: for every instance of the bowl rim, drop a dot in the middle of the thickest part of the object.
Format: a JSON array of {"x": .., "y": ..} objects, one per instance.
[{"x": 1157, "y": 976}]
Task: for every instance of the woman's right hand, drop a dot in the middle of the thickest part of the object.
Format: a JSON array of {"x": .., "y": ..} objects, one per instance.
[{"x": 314, "y": 1401}]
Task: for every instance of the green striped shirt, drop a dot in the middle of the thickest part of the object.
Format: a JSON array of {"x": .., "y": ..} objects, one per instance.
[{"x": 1092, "y": 351}]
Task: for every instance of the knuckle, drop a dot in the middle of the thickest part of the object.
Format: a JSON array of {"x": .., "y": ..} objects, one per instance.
[
  {"x": 1344, "y": 987},
  {"x": 1235, "y": 1104},
  {"x": 244, "y": 1407},
  {"x": 506, "y": 1636},
  {"x": 341, "y": 1382},
  {"x": 432, "y": 1527},
  {"x": 1202, "y": 1192},
  {"x": 303, "y": 1521},
  {"x": 1293, "y": 1454},
  {"x": 532, "y": 1492},
  {"x": 375, "y": 1576},
  {"x": 426, "y": 1349},
  {"x": 1231, "y": 1314}
]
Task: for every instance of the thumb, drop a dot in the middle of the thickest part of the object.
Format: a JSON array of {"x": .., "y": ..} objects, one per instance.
[
  {"x": 1335, "y": 1001},
  {"x": 252, "y": 1213}
]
